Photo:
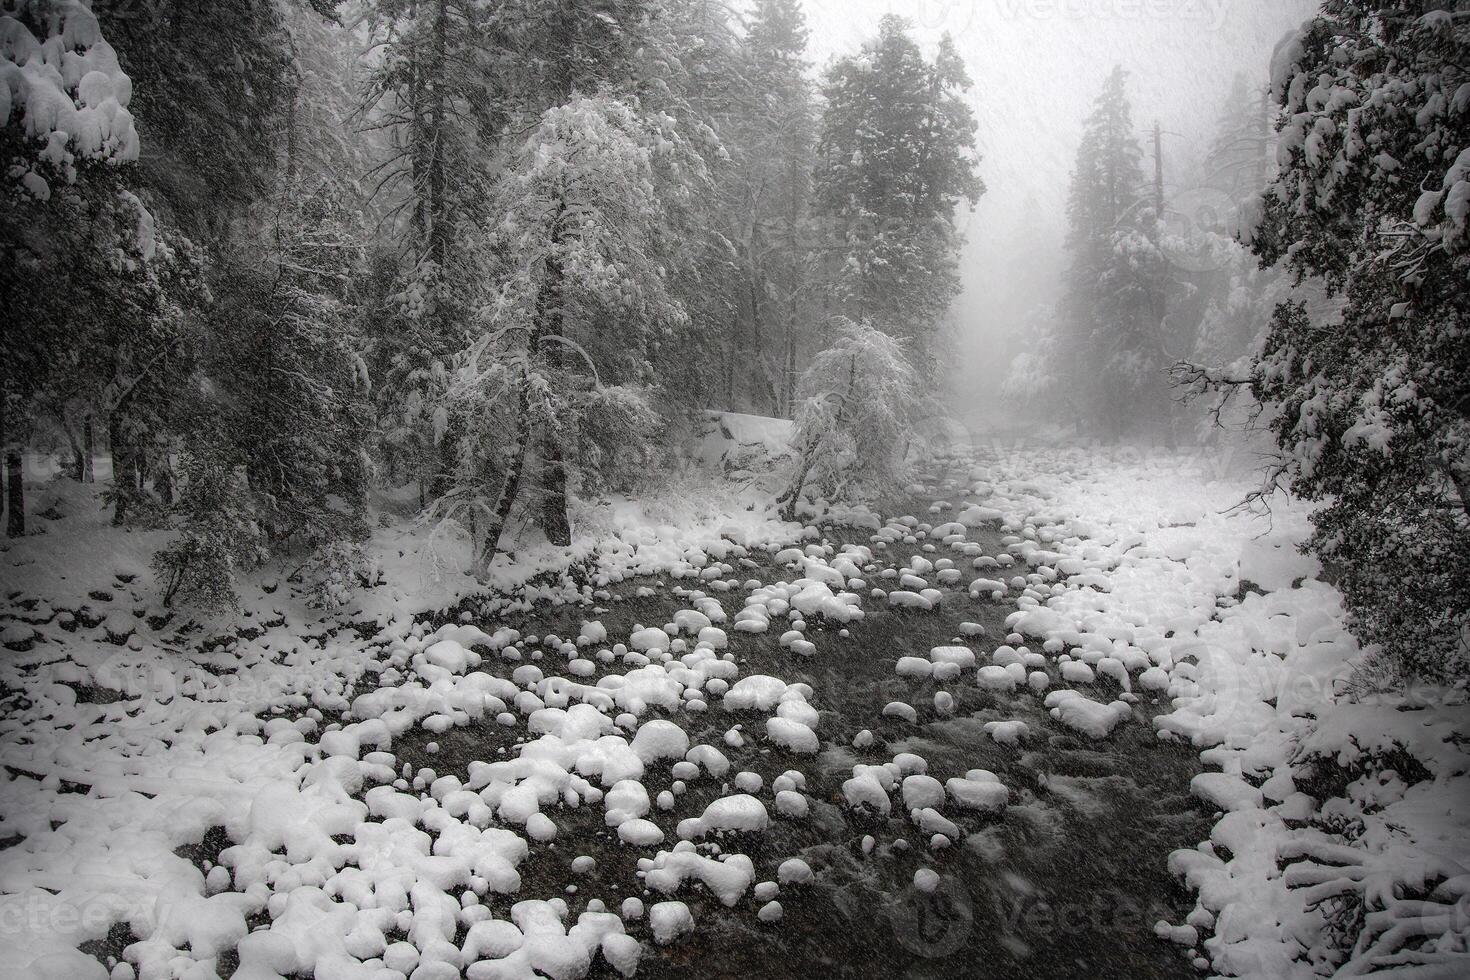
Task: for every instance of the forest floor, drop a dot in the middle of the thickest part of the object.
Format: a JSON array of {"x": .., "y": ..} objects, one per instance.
[{"x": 696, "y": 750}]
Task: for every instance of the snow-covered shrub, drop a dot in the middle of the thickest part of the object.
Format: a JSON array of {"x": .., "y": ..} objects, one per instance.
[
  {"x": 617, "y": 438},
  {"x": 858, "y": 399},
  {"x": 218, "y": 536},
  {"x": 336, "y": 571}
]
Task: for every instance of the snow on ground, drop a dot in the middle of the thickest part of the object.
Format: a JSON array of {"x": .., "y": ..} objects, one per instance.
[
  {"x": 126, "y": 740},
  {"x": 1343, "y": 841},
  {"x": 686, "y": 529},
  {"x": 127, "y": 743}
]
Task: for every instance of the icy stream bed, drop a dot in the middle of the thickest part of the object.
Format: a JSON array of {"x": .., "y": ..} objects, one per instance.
[
  {"x": 1067, "y": 880},
  {"x": 701, "y": 752},
  {"x": 766, "y": 761}
]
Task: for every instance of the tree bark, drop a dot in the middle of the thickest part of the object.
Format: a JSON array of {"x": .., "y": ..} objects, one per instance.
[
  {"x": 163, "y": 479},
  {"x": 554, "y": 519},
  {"x": 792, "y": 496},
  {"x": 89, "y": 449},
  {"x": 124, "y": 468},
  {"x": 510, "y": 487},
  {"x": 15, "y": 494},
  {"x": 788, "y": 379},
  {"x": 757, "y": 333}
]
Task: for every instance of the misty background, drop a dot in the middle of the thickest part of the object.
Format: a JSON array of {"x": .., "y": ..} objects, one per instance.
[{"x": 1037, "y": 67}]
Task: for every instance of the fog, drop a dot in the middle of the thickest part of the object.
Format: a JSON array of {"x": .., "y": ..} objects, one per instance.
[{"x": 1037, "y": 66}]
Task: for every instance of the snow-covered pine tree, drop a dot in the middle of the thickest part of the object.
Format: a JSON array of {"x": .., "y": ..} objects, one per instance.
[
  {"x": 895, "y": 159},
  {"x": 216, "y": 92},
  {"x": 694, "y": 69},
  {"x": 281, "y": 419},
  {"x": 1370, "y": 408},
  {"x": 768, "y": 197},
  {"x": 435, "y": 88},
  {"x": 858, "y": 400},
  {"x": 1115, "y": 360},
  {"x": 1239, "y": 159},
  {"x": 87, "y": 273},
  {"x": 1236, "y": 294}
]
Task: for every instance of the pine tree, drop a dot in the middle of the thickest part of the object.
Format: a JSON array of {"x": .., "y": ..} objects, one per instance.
[
  {"x": 1239, "y": 159},
  {"x": 769, "y": 195},
  {"x": 1114, "y": 350},
  {"x": 1369, "y": 408},
  {"x": 1236, "y": 294},
  {"x": 280, "y": 420},
  {"x": 87, "y": 271},
  {"x": 218, "y": 92},
  {"x": 434, "y": 91},
  {"x": 896, "y": 157}
]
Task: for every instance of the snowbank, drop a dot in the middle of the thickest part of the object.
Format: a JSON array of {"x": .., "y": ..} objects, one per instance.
[{"x": 1216, "y": 611}]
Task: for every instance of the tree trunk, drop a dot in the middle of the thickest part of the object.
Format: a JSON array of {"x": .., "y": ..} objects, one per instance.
[
  {"x": 509, "y": 489},
  {"x": 124, "y": 468},
  {"x": 788, "y": 380},
  {"x": 757, "y": 334},
  {"x": 89, "y": 449},
  {"x": 448, "y": 450},
  {"x": 15, "y": 494},
  {"x": 792, "y": 496},
  {"x": 163, "y": 479},
  {"x": 143, "y": 465},
  {"x": 1161, "y": 296},
  {"x": 554, "y": 520}
]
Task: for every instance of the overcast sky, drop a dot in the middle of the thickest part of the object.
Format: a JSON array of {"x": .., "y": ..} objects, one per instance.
[{"x": 1037, "y": 65}]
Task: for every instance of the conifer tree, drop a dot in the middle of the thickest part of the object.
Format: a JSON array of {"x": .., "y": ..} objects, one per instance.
[
  {"x": 895, "y": 159},
  {"x": 773, "y": 143},
  {"x": 1368, "y": 408},
  {"x": 1115, "y": 358}
]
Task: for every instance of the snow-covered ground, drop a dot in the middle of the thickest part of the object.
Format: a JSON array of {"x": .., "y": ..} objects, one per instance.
[
  {"x": 1343, "y": 839},
  {"x": 241, "y": 799}
]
